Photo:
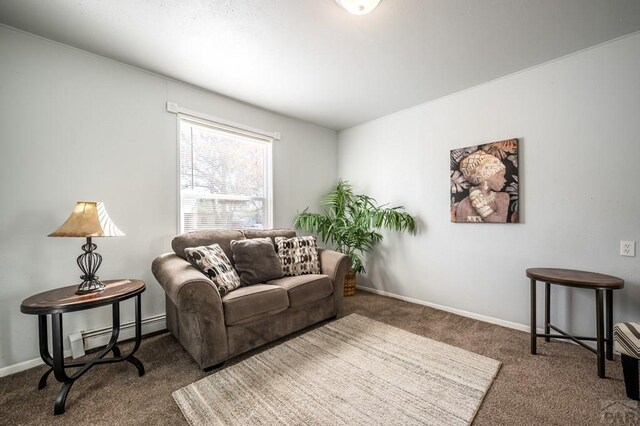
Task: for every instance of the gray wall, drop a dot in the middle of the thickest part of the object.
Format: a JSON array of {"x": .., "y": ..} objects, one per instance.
[
  {"x": 75, "y": 126},
  {"x": 578, "y": 120}
]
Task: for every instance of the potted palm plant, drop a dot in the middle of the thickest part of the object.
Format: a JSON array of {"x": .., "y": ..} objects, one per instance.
[{"x": 352, "y": 223}]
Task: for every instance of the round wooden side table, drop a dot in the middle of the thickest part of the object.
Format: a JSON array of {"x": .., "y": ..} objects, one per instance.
[
  {"x": 602, "y": 284},
  {"x": 63, "y": 300}
]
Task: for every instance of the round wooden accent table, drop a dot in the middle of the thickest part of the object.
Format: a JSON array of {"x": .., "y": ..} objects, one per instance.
[
  {"x": 603, "y": 286},
  {"x": 63, "y": 300}
]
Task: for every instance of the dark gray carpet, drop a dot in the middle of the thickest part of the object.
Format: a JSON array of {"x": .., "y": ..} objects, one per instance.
[{"x": 558, "y": 386}]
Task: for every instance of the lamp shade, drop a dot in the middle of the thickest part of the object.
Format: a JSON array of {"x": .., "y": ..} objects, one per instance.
[
  {"x": 358, "y": 7},
  {"x": 88, "y": 219}
]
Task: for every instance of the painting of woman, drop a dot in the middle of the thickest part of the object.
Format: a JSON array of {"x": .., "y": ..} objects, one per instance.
[{"x": 480, "y": 175}]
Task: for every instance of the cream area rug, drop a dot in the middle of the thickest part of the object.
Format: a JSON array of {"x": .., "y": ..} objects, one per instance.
[{"x": 353, "y": 371}]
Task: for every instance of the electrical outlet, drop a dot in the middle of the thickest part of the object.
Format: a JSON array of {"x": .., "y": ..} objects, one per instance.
[{"x": 628, "y": 248}]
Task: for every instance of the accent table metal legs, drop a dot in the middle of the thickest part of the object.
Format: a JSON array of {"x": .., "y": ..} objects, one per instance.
[
  {"x": 600, "y": 333},
  {"x": 56, "y": 361},
  {"x": 44, "y": 349},
  {"x": 547, "y": 310},
  {"x": 533, "y": 317},
  {"x": 609, "y": 323},
  {"x": 604, "y": 325},
  {"x": 138, "y": 325}
]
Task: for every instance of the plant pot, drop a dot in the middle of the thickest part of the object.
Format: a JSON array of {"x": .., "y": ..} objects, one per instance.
[{"x": 349, "y": 284}]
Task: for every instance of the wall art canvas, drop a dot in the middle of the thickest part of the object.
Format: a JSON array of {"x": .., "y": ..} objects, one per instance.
[{"x": 484, "y": 183}]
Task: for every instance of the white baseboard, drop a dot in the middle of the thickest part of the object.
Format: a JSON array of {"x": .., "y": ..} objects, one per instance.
[
  {"x": 95, "y": 339},
  {"x": 21, "y": 366},
  {"x": 479, "y": 317}
]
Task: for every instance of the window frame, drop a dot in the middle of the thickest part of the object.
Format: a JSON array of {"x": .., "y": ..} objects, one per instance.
[{"x": 237, "y": 130}]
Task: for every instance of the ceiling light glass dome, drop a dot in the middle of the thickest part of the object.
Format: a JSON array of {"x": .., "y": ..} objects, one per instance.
[{"x": 358, "y": 7}]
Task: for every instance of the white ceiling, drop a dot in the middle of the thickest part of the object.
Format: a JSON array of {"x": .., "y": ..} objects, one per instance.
[{"x": 311, "y": 60}]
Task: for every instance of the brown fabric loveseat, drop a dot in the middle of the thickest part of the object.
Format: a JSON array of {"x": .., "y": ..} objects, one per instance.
[{"x": 214, "y": 328}]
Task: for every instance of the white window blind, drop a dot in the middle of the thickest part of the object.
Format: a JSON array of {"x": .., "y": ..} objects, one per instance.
[{"x": 225, "y": 177}]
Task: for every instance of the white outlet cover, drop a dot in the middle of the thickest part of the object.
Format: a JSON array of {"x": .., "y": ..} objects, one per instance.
[{"x": 628, "y": 248}]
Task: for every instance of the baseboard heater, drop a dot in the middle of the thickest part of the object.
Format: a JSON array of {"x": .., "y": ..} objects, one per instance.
[{"x": 100, "y": 337}]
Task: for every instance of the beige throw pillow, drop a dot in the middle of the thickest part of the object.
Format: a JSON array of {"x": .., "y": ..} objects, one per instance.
[
  {"x": 213, "y": 262},
  {"x": 298, "y": 255}
]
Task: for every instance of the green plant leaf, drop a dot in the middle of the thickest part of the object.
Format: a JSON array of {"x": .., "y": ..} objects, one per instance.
[{"x": 351, "y": 222}]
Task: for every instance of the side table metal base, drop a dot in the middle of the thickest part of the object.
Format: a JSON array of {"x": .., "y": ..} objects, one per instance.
[
  {"x": 56, "y": 361},
  {"x": 603, "y": 285}
]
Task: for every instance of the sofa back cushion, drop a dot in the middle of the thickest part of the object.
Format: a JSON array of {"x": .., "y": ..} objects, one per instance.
[
  {"x": 256, "y": 260},
  {"x": 271, "y": 233},
  {"x": 206, "y": 238}
]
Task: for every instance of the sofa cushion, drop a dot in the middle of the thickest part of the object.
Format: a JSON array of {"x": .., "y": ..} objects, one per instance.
[
  {"x": 206, "y": 238},
  {"x": 298, "y": 255},
  {"x": 303, "y": 289},
  {"x": 253, "y": 300},
  {"x": 271, "y": 233},
  {"x": 212, "y": 261},
  {"x": 256, "y": 260}
]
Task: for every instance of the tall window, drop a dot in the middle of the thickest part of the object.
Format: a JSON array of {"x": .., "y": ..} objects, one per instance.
[{"x": 225, "y": 177}]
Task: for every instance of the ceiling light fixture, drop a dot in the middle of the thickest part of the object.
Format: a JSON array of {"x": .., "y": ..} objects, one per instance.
[{"x": 358, "y": 7}]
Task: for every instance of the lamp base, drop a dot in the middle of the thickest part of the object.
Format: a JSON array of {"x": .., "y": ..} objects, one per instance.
[
  {"x": 89, "y": 262},
  {"x": 93, "y": 286}
]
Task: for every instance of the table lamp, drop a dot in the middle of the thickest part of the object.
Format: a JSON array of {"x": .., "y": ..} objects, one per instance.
[{"x": 88, "y": 219}]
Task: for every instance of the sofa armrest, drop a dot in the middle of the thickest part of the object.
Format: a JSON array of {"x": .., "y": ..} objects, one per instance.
[
  {"x": 335, "y": 265},
  {"x": 175, "y": 275},
  {"x": 202, "y": 329}
]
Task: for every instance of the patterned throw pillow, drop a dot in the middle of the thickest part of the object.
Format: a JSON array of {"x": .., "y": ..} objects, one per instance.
[
  {"x": 212, "y": 261},
  {"x": 298, "y": 255}
]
